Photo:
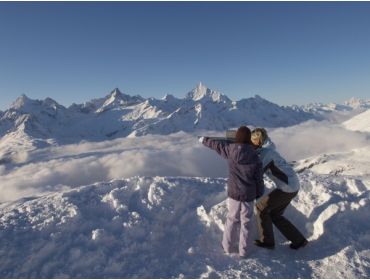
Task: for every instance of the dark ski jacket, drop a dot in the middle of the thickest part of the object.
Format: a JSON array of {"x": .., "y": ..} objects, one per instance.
[{"x": 245, "y": 181}]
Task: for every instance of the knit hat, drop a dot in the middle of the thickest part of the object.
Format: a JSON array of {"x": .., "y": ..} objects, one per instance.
[
  {"x": 243, "y": 135},
  {"x": 259, "y": 135}
]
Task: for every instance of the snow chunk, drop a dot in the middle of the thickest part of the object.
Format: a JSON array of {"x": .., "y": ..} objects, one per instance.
[{"x": 97, "y": 234}]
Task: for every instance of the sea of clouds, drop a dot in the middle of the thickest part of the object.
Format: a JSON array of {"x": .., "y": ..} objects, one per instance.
[{"x": 63, "y": 167}]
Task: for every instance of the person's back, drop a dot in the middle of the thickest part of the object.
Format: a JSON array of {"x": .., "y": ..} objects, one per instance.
[
  {"x": 245, "y": 184},
  {"x": 245, "y": 169},
  {"x": 277, "y": 168}
]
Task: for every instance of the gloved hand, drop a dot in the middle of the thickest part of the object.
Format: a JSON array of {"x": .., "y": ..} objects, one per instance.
[
  {"x": 258, "y": 199},
  {"x": 201, "y": 139}
]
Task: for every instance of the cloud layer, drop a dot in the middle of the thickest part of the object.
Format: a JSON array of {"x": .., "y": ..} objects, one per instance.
[
  {"x": 314, "y": 138},
  {"x": 180, "y": 154}
]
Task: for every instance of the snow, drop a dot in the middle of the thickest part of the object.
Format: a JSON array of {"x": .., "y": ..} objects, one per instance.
[
  {"x": 360, "y": 122},
  {"x": 171, "y": 227}
]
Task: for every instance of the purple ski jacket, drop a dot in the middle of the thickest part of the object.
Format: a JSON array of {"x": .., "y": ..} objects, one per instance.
[{"x": 245, "y": 181}]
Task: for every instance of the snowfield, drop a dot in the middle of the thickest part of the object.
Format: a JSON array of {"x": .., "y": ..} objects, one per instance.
[{"x": 165, "y": 227}]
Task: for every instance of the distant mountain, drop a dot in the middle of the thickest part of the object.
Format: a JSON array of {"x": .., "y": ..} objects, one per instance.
[
  {"x": 336, "y": 112},
  {"x": 349, "y": 105},
  {"x": 356, "y": 103},
  {"x": 122, "y": 115}
]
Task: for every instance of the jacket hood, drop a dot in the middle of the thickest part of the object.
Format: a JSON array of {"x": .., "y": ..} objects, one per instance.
[
  {"x": 268, "y": 144},
  {"x": 244, "y": 154}
]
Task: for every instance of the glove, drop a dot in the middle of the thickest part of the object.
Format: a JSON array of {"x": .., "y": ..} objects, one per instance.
[
  {"x": 258, "y": 199},
  {"x": 201, "y": 139}
]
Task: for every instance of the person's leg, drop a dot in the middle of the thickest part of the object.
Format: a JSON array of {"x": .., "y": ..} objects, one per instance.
[
  {"x": 282, "y": 223},
  {"x": 246, "y": 214},
  {"x": 264, "y": 221},
  {"x": 230, "y": 236}
]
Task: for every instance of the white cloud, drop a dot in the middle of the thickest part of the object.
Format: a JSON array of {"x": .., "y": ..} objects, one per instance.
[
  {"x": 86, "y": 163},
  {"x": 314, "y": 138}
]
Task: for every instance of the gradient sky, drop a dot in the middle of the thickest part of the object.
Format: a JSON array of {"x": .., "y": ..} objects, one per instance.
[{"x": 289, "y": 53}]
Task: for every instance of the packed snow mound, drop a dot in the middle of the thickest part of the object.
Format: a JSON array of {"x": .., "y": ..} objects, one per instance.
[
  {"x": 359, "y": 122},
  {"x": 171, "y": 227}
]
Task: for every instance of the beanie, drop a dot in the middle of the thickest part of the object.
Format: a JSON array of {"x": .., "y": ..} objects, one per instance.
[{"x": 243, "y": 135}]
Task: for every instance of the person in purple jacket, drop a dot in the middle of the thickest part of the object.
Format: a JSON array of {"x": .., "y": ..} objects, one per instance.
[{"x": 245, "y": 184}]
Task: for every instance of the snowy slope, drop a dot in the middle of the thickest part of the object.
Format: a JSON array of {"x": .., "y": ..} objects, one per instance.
[
  {"x": 360, "y": 122},
  {"x": 164, "y": 227}
]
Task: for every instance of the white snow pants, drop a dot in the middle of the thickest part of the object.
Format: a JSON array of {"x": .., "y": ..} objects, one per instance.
[{"x": 239, "y": 213}]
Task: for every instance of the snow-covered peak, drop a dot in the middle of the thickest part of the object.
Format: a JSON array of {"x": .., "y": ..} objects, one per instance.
[
  {"x": 21, "y": 102},
  {"x": 118, "y": 99},
  {"x": 169, "y": 97},
  {"x": 325, "y": 108},
  {"x": 27, "y": 105},
  {"x": 51, "y": 103},
  {"x": 201, "y": 92},
  {"x": 347, "y": 106},
  {"x": 356, "y": 103},
  {"x": 116, "y": 95}
]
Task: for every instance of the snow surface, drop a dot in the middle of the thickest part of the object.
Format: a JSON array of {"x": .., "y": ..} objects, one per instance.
[
  {"x": 360, "y": 122},
  {"x": 164, "y": 227}
]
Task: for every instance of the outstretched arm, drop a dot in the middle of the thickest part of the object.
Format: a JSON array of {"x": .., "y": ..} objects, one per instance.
[{"x": 221, "y": 147}]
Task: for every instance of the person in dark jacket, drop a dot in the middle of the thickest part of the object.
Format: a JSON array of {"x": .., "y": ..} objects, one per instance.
[
  {"x": 245, "y": 184},
  {"x": 271, "y": 207}
]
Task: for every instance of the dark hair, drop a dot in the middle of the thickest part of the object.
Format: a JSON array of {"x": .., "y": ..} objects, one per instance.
[{"x": 243, "y": 135}]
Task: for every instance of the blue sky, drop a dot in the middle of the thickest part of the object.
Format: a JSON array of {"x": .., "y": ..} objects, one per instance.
[{"x": 289, "y": 53}]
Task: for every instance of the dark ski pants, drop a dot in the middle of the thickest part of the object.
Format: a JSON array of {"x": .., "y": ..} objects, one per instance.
[{"x": 270, "y": 209}]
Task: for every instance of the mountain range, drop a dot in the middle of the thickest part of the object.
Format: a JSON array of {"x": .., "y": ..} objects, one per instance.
[{"x": 37, "y": 123}]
